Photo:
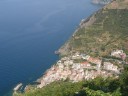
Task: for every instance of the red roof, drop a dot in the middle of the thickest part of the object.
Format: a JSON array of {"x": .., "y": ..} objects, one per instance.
[{"x": 85, "y": 62}]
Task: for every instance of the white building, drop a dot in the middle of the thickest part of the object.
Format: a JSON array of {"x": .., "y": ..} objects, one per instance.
[
  {"x": 116, "y": 53},
  {"x": 110, "y": 66}
]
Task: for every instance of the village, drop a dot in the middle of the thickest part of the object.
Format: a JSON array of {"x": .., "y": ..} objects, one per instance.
[{"x": 79, "y": 67}]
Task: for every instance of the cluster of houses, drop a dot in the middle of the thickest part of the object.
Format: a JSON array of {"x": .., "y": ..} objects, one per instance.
[
  {"x": 90, "y": 68},
  {"x": 119, "y": 54}
]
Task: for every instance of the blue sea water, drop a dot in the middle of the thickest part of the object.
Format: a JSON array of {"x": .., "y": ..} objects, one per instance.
[{"x": 30, "y": 32}]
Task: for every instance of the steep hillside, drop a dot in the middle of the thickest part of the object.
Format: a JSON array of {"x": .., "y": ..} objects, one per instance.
[{"x": 108, "y": 32}]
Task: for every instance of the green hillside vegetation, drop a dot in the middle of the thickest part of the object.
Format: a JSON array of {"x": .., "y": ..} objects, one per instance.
[{"x": 108, "y": 32}]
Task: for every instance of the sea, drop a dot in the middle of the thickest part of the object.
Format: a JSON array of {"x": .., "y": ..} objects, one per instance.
[{"x": 30, "y": 33}]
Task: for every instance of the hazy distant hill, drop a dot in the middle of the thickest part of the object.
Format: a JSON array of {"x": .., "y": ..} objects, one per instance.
[{"x": 101, "y": 1}]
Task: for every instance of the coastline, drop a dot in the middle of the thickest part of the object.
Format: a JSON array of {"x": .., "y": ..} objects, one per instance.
[
  {"x": 84, "y": 23},
  {"x": 65, "y": 45}
]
